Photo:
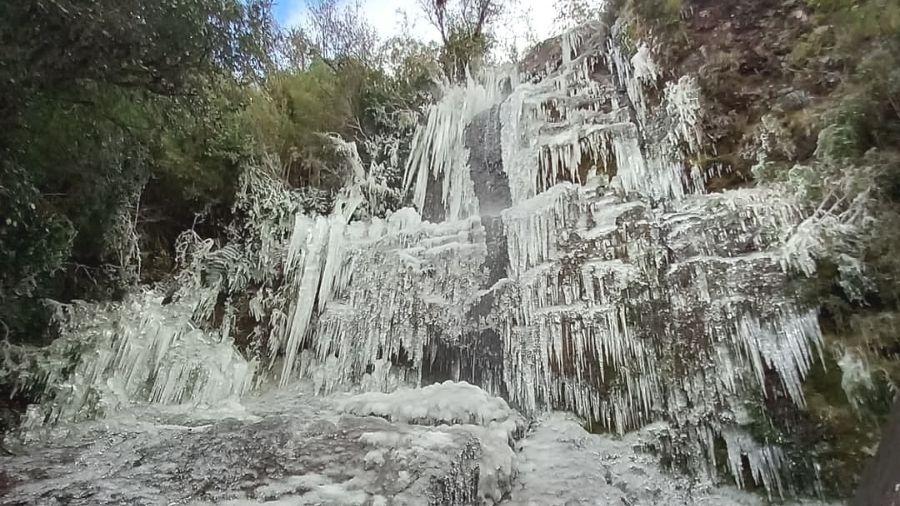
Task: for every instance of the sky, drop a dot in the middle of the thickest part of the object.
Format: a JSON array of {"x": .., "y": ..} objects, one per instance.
[{"x": 531, "y": 18}]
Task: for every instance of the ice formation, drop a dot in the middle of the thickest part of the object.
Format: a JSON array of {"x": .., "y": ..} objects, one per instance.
[
  {"x": 438, "y": 151},
  {"x": 138, "y": 350},
  {"x": 283, "y": 447},
  {"x": 440, "y": 403},
  {"x": 625, "y": 293},
  {"x": 562, "y": 254},
  {"x": 562, "y": 460}
]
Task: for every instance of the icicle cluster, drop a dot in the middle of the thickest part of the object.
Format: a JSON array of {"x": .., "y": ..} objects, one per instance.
[
  {"x": 438, "y": 150},
  {"x": 379, "y": 289},
  {"x": 630, "y": 296},
  {"x": 171, "y": 343},
  {"x": 139, "y": 350},
  {"x": 615, "y": 292},
  {"x": 575, "y": 122}
]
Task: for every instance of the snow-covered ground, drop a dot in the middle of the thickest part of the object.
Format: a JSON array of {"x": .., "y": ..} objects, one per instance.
[
  {"x": 561, "y": 463},
  {"x": 287, "y": 446},
  {"x": 448, "y": 443}
]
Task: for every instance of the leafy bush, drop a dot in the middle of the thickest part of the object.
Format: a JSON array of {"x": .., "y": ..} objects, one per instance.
[{"x": 34, "y": 244}]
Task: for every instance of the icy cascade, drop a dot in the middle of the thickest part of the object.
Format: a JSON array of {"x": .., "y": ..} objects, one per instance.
[
  {"x": 314, "y": 253},
  {"x": 586, "y": 271},
  {"x": 438, "y": 150},
  {"x": 631, "y": 297},
  {"x": 602, "y": 283},
  {"x": 629, "y": 314},
  {"x": 395, "y": 286},
  {"x": 575, "y": 122}
]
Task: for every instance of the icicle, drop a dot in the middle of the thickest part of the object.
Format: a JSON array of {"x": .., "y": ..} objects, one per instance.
[
  {"x": 438, "y": 148},
  {"x": 143, "y": 350}
]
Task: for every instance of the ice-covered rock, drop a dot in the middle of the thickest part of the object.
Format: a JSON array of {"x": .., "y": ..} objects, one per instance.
[
  {"x": 562, "y": 463},
  {"x": 441, "y": 403},
  {"x": 287, "y": 446}
]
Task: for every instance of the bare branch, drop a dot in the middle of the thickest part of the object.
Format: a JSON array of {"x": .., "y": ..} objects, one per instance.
[
  {"x": 333, "y": 31},
  {"x": 467, "y": 17}
]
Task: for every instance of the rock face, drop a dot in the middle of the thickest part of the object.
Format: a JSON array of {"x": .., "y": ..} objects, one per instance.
[
  {"x": 880, "y": 483},
  {"x": 562, "y": 254}
]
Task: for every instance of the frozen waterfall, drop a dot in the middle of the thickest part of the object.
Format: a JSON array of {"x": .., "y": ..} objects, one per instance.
[{"x": 562, "y": 254}]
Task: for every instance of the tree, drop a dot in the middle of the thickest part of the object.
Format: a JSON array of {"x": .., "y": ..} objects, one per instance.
[
  {"x": 332, "y": 32},
  {"x": 467, "y": 17},
  {"x": 116, "y": 116},
  {"x": 342, "y": 32},
  {"x": 463, "y": 26},
  {"x": 338, "y": 78},
  {"x": 163, "y": 47},
  {"x": 571, "y": 13}
]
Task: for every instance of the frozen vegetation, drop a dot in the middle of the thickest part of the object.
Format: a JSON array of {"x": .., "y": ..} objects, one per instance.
[{"x": 561, "y": 254}]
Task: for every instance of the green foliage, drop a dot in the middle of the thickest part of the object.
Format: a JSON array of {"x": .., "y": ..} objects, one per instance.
[
  {"x": 85, "y": 165},
  {"x": 464, "y": 52},
  {"x": 165, "y": 47},
  {"x": 300, "y": 106},
  {"x": 347, "y": 97},
  {"x": 857, "y": 126},
  {"x": 868, "y": 113},
  {"x": 116, "y": 118},
  {"x": 665, "y": 11},
  {"x": 860, "y": 137},
  {"x": 199, "y": 151},
  {"x": 571, "y": 13},
  {"x": 859, "y": 21},
  {"x": 104, "y": 94},
  {"x": 841, "y": 441},
  {"x": 34, "y": 244},
  {"x": 648, "y": 15}
]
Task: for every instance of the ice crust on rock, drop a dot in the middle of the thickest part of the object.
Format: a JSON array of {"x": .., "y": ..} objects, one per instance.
[
  {"x": 451, "y": 407},
  {"x": 574, "y": 122},
  {"x": 562, "y": 460},
  {"x": 286, "y": 445},
  {"x": 561, "y": 463},
  {"x": 440, "y": 403}
]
